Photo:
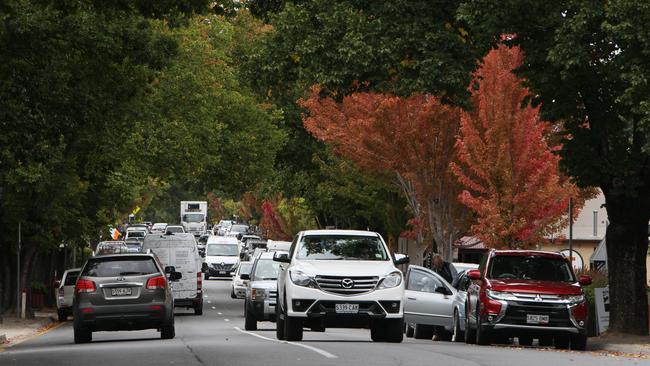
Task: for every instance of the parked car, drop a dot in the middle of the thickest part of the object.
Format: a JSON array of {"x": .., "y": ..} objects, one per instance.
[
  {"x": 134, "y": 245},
  {"x": 111, "y": 247},
  {"x": 527, "y": 294},
  {"x": 65, "y": 293},
  {"x": 261, "y": 293},
  {"x": 174, "y": 229},
  {"x": 221, "y": 256},
  {"x": 159, "y": 228},
  {"x": 239, "y": 285},
  {"x": 461, "y": 284},
  {"x": 179, "y": 251},
  {"x": 123, "y": 292},
  {"x": 428, "y": 307},
  {"x": 340, "y": 278}
]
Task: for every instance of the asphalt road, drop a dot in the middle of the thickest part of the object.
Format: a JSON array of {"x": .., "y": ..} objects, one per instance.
[{"x": 217, "y": 338}]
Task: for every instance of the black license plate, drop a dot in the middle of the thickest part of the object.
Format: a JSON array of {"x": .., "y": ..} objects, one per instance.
[{"x": 121, "y": 291}]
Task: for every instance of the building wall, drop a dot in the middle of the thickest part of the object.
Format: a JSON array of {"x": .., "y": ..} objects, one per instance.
[{"x": 584, "y": 227}]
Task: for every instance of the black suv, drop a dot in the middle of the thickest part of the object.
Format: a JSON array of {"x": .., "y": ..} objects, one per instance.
[{"x": 123, "y": 292}]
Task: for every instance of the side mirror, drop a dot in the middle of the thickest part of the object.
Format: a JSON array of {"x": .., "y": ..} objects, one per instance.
[
  {"x": 175, "y": 276},
  {"x": 401, "y": 259},
  {"x": 282, "y": 257},
  {"x": 474, "y": 274},
  {"x": 245, "y": 276},
  {"x": 170, "y": 269},
  {"x": 204, "y": 267},
  {"x": 443, "y": 290},
  {"x": 584, "y": 280}
]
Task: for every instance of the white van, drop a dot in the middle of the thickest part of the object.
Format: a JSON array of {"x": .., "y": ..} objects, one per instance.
[
  {"x": 221, "y": 256},
  {"x": 180, "y": 251}
]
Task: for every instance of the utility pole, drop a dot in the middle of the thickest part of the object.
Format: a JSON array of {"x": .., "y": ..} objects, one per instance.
[
  {"x": 18, "y": 275},
  {"x": 571, "y": 231}
]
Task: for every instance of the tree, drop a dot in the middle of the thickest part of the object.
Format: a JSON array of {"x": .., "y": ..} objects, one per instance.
[
  {"x": 586, "y": 64},
  {"x": 408, "y": 140},
  {"x": 509, "y": 171},
  {"x": 283, "y": 218}
]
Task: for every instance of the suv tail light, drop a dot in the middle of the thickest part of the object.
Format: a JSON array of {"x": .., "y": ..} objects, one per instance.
[
  {"x": 84, "y": 286},
  {"x": 199, "y": 282},
  {"x": 156, "y": 282}
]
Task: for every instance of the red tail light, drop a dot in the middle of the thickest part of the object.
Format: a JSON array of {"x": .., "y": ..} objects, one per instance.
[
  {"x": 156, "y": 282},
  {"x": 199, "y": 281},
  {"x": 84, "y": 286}
]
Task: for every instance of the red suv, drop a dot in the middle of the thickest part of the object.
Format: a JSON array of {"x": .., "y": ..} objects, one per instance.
[{"x": 526, "y": 294}]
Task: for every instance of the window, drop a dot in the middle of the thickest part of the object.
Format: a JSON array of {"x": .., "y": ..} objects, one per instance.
[
  {"x": 223, "y": 249},
  {"x": 193, "y": 217},
  {"x": 340, "y": 247},
  {"x": 531, "y": 267},
  {"x": 71, "y": 278},
  {"x": 115, "y": 267},
  {"x": 423, "y": 282},
  {"x": 266, "y": 269}
]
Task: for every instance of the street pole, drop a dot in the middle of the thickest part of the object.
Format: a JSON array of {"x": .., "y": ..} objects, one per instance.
[
  {"x": 18, "y": 276},
  {"x": 571, "y": 231}
]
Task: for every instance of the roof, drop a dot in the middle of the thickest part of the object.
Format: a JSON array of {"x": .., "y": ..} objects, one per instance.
[
  {"x": 266, "y": 255},
  {"x": 340, "y": 232},
  {"x": 523, "y": 253},
  {"x": 600, "y": 254},
  {"x": 469, "y": 242},
  {"x": 213, "y": 239}
]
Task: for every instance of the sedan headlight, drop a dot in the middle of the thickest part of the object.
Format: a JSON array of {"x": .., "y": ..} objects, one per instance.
[
  {"x": 300, "y": 278},
  {"x": 258, "y": 294},
  {"x": 393, "y": 279},
  {"x": 498, "y": 295}
]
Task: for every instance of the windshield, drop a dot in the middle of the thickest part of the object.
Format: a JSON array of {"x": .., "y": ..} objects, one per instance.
[
  {"x": 174, "y": 229},
  {"x": 530, "y": 268},
  {"x": 223, "y": 249},
  {"x": 238, "y": 228},
  {"x": 341, "y": 247},
  {"x": 194, "y": 217},
  {"x": 115, "y": 267},
  {"x": 266, "y": 269},
  {"x": 136, "y": 234},
  {"x": 245, "y": 268}
]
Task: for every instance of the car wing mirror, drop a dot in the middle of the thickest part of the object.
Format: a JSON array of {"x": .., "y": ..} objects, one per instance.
[
  {"x": 401, "y": 259},
  {"x": 474, "y": 274},
  {"x": 245, "y": 276},
  {"x": 204, "y": 266},
  {"x": 175, "y": 276},
  {"x": 584, "y": 280},
  {"x": 282, "y": 257},
  {"x": 170, "y": 269}
]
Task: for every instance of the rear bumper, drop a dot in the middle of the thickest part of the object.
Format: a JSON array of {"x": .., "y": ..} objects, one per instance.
[
  {"x": 123, "y": 317},
  {"x": 189, "y": 302}
]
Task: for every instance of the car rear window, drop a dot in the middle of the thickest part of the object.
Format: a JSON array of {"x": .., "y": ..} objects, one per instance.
[
  {"x": 114, "y": 267},
  {"x": 71, "y": 278}
]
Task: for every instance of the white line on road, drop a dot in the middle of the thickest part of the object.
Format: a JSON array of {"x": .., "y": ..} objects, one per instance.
[
  {"x": 209, "y": 302},
  {"x": 226, "y": 320},
  {"x": 219, "y": 314},
  {"x": 214, "y": 307},
  {"x": 317, "y": 350}
]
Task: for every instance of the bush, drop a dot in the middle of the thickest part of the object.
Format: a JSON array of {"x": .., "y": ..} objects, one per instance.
[{"x": 598, "y": 279}]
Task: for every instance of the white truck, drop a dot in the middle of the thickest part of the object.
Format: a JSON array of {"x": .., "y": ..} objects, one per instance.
[{"x": 194, "y": 217}]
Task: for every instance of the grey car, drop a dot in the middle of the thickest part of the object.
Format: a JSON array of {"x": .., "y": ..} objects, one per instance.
[
  {"x": 460, "y": 284},
  {"x": 123, "y": 292},
  {"x": 261, "y": 293}
]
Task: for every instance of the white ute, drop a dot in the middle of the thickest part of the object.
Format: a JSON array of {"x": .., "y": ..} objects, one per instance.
[{"x": 340, "y": 279}]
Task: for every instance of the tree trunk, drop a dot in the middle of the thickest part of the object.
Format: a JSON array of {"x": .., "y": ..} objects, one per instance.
[{"x": 627, "y": 249}]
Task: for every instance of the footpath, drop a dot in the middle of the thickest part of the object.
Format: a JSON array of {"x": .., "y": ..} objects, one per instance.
[
  {"x": 14, "y": 331},
  {"x": 621, "y": 345}
]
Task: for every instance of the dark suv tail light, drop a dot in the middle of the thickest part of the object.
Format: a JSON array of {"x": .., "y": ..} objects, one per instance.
[
  {"x": 85, "y": 286},
  {"x": 156, "y": 282}
]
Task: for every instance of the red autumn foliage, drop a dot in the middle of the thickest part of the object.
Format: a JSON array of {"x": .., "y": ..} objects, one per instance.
[
  {"x": 506, "y": 163},
  {"x": 272, "y": 223}
]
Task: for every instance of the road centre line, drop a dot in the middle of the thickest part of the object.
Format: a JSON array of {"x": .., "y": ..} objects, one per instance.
[{"x": 311, "y": 348}]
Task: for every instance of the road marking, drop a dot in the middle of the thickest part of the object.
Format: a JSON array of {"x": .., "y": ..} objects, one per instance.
[
  {"x": 213, "y": 308},
  {"x": 209, "y": 302},
  {"x": 219, "y": 314},
  {"x": 226, "y": 320},
  {"x": 311, "y": 348}
]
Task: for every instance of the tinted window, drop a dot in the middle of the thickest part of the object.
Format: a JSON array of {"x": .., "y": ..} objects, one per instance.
[
  {"x": 71, "y": 278},
  {"x": 342, "y": 248},
  {"x": 530, "y": 268},
  {"x": 175, "y": 229},
  {"x": 114, "y": 267},
  {"x": 424, "y": 282},
  {"x": 266, "y": 269}
]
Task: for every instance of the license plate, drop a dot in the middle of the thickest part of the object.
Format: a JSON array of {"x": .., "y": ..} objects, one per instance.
[
  {"x": 536, "y": 319},
  {"x": 346, "y": 308},
  {"x": 122, "y": 291},
  {"x": 222, "y": 272}
]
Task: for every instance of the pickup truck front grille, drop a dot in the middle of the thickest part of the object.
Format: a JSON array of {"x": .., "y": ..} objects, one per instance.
[
  {"x": 347, "y": 285},
  {"x": 273, "y": 295}
]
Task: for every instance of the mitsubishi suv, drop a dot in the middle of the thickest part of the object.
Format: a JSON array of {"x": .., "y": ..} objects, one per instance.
[
  {"x": 339, "y": 279},
  {"x": 528, "y": 295}
]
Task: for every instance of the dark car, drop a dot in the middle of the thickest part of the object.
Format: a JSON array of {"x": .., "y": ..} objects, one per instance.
[
  {"x": 123, "y": 292},
  {"x": 261, "y": 292},
  {"x": 526, "y": 294}
]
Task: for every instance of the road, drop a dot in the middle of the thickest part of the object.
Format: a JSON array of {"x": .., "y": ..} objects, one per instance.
[{"x": 217, "y": 338}]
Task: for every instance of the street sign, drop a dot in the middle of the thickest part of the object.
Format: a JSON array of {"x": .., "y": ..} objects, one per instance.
[{"x": 602, "y": 308}]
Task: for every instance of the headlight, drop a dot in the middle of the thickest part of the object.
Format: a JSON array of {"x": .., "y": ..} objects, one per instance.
[
  {"x": 574, "y": 299},
  {"x": 499, "y": 295},
  {"x": 392, "y": 280},
  {"x": 300, "y": 278},
  {"x": 258, "y": 294}
]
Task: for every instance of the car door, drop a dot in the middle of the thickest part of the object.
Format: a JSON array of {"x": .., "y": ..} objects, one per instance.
[{"x": 423, "y": 304}]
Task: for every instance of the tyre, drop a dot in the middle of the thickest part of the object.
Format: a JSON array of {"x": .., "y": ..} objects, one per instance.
[
  {"x": 443, "y": 335},
  {"x": 525, "y": 341},
  {"x": 470, "y": 334},
  {"x": 561, "y": 342},
  {"x": 167, "y": 332},
  {"x": 232, "y": 294},
  {"x": 82, "y": 335},
  {"x": 250, "y": 323},
  {"x": 457, "y": 334},
  {"x": 482, "y": 335},
  {"x": 206, "y": 276},
  {"x": 198, "y": 308},
  {"x": 377, "y": 331},
  {"x": 393, "y": 330},
  {"x": 423, "y": 331},
  {"x": 292, "y": 328},
  {"x": 409, "y": 331},
  {"x": 579, "y": 342},
  {"x": 63, "y": 315},
  {"x": 279, "y": 323}
]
